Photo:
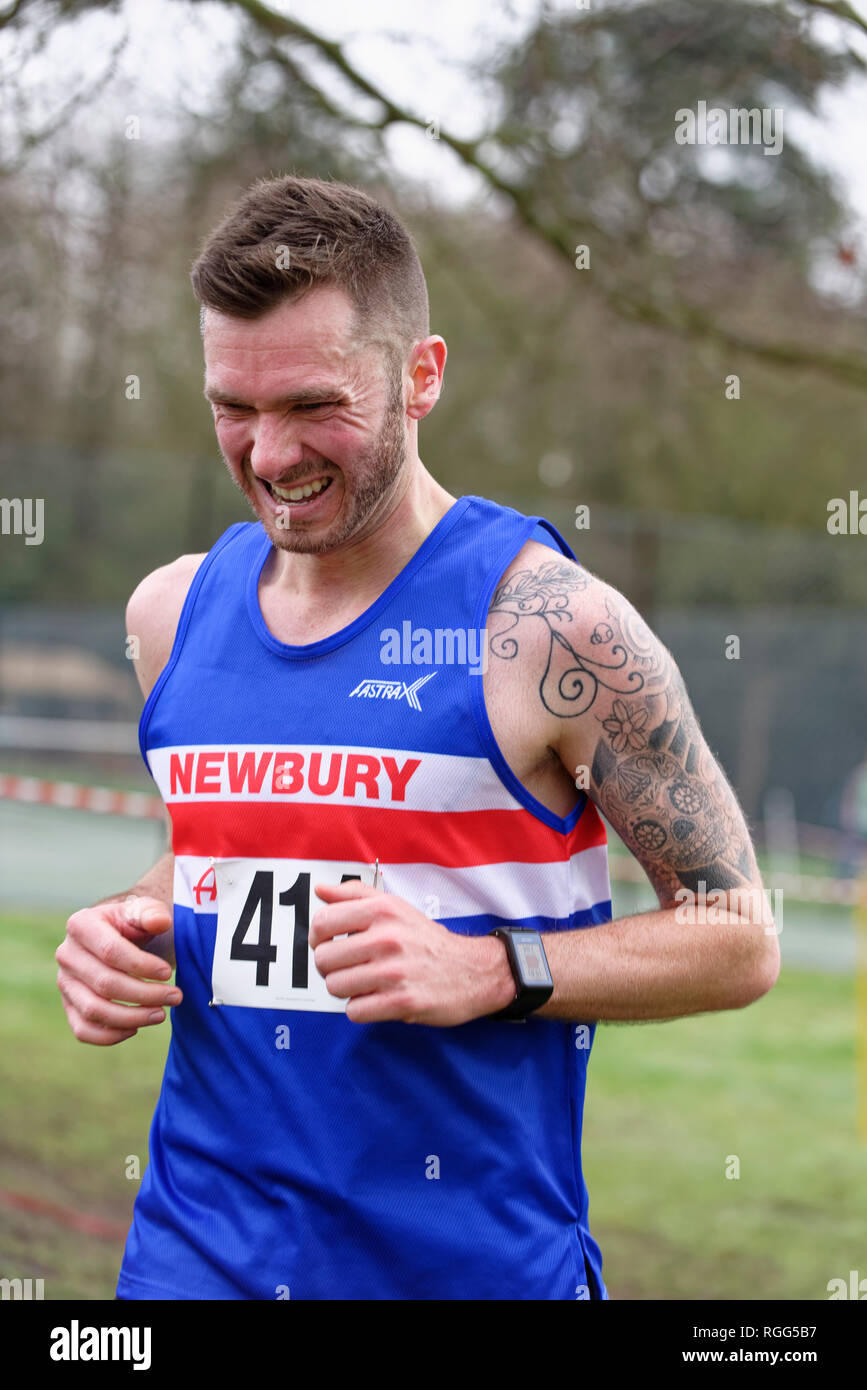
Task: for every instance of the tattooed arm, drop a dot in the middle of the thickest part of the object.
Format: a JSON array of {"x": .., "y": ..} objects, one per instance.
[{"x": 611, "y": 701}]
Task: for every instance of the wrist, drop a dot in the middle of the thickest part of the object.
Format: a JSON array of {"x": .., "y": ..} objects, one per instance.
[{"x": 495, "y": 978}]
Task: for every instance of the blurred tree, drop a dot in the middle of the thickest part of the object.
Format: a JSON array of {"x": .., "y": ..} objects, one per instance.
[
  {"x": 584, "y": 148},
  {"x": 560, "y": 389}
]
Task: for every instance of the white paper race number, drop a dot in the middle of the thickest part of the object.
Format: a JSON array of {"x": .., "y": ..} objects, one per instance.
[{"x": 262, "y": 959}]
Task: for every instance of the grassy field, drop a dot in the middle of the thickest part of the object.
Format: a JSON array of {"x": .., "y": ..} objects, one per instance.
[{"x": 668, "y": 1104}]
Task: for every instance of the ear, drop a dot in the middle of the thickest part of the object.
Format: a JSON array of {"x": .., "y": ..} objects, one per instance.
[{"x": 427, "y": 367}]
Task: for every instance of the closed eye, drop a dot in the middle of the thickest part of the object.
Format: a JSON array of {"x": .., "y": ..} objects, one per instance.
[{"x": 236, "y": 408}]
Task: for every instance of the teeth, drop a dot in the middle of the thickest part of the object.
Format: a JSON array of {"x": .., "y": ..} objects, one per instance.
[{"x": 298, "y": 494}]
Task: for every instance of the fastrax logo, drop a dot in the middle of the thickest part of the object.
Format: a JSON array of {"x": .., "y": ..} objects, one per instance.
[
  {"x": 391, "y": 690},
  {"x": 76, "y": 1343}
]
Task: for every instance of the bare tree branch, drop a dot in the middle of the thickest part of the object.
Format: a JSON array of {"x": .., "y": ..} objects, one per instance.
[
  {"x": 317, "y": 96},
  {"x": 12, "y": 13},
  {"x": 689, "y": 322},
  {"x": 82, "y": 97},
  {"x": 681, "y": 319},
  {"x": 839, "y": 8}
]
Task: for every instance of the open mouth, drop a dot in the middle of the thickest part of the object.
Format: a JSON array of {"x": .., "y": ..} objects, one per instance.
[{"x": 300, "y": 494}]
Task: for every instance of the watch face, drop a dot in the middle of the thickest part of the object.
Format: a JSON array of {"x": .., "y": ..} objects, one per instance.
[{"x": 532, "y": 962}]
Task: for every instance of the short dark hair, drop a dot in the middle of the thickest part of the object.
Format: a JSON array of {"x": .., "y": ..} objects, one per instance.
[{"x": 334, "y": 234}]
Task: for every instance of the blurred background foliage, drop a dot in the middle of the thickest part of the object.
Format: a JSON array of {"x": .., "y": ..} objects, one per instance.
[{"x": 563, "y": 386}]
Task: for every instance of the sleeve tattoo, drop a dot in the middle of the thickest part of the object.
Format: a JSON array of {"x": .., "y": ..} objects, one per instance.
[{"x": 651, "y": 771}]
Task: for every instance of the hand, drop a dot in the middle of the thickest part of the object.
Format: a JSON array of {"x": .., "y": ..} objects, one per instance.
[
  {"x": 101, "y": 963},
  {"x": 398, "y": 964}
]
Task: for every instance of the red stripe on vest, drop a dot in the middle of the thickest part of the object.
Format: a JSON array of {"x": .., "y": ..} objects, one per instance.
[{"x": 452, "y": 839}]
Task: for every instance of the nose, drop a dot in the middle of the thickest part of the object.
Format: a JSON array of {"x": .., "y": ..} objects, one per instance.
[{"x": 274, "y": 450}]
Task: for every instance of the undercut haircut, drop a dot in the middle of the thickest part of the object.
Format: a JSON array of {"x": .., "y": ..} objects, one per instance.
[{"x": 287, "y": 236}]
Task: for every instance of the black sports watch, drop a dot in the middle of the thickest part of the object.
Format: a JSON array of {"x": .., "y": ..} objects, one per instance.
[{"x": 529, "y": 964}]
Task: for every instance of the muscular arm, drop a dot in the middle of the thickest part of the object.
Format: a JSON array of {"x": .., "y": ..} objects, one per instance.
[
  {"x": 152, "y": 616},
  {"x": 609, "y": 700},
  {"x": 110, "y": 977}
]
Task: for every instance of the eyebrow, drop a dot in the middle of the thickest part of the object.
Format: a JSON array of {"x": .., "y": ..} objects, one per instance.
[{"x": 307, "y": 396}]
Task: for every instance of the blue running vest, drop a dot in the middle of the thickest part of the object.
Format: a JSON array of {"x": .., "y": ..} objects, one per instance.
[{"x": 293, "y": 1153}]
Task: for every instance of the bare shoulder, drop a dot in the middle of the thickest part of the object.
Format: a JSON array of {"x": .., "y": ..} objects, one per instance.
[
  {"x": 589, "y": 645},
  {"x": 152, "y": 616},
  {"x": 616, "y": 710},
  {"x": 565, "y": 598}
]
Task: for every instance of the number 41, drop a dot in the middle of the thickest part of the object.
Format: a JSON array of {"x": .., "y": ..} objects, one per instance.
[{"x": 261, "y": 899}]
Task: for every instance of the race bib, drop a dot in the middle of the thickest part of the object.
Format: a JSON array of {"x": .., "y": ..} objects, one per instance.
[{"x": 262, "y": 958}]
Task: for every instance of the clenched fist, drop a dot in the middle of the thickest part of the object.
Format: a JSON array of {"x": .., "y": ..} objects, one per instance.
[{"x": 111, "y": 987}]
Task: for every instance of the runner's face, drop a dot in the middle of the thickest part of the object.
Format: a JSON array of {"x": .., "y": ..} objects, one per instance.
[{"x": 298, "y": 404}]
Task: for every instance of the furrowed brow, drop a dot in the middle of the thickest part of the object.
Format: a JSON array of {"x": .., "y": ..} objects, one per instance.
[{"x": 307, "y": 396}]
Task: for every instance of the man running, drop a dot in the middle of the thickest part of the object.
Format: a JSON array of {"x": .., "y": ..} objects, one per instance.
[{"x": 382, "y": 720}]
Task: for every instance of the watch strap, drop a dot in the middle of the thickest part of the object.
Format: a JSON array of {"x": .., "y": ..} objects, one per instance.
[{"x": 527, "y": 997}]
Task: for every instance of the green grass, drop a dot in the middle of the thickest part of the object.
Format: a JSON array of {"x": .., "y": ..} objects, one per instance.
[
  {"x": 773, "y": 1084},
  {"x": 71, "y": 1116}
]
